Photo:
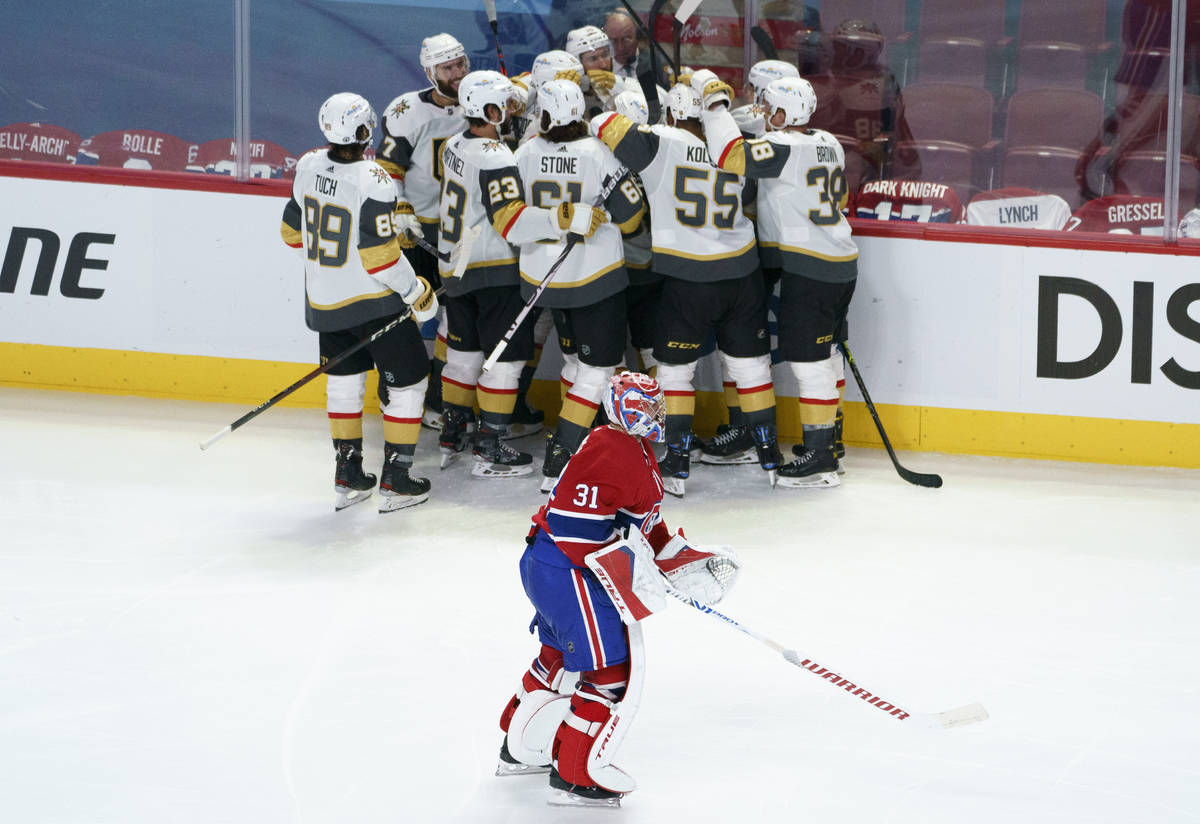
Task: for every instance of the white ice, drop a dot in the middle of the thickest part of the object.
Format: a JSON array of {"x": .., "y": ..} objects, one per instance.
[{"x": 198, "y": 637}]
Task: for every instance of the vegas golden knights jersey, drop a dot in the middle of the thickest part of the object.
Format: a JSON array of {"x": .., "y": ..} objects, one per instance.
[
  {"x": 414, "y": 131},
  {"x": 341, "y": 215},
  {"x": 577, "y": 171},
  {"x": 698, "y": 229}
]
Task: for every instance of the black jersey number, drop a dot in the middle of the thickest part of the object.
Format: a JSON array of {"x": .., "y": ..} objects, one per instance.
[
  {"x": 454, "y": 200},
  {"x": 327, "y": 227},
  {"x": 724, "y": 202},
  {"x": 831, "y": 189}
]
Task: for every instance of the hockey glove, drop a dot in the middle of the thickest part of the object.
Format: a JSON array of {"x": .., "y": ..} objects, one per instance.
[
  {"x": 705, "y": 573},
  {"x": 569, "y": 74},
  {"x": 423, "y": 301},
  {"x": 519, "y": 102},
  {"x": 580, "y": 219},
  {"x": 405, "y": 222},
  {"x": 712, "y": 89},
  {"x": 603, "y": 82}
]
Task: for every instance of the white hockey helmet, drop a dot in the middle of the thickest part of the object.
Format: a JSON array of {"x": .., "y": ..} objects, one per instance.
[
  {"x": 795, "y": 96},
  {"x": 586, "y": 39},
  {"x": 561, "y": 101},
  {"x": 632, "y": 104},
  {"x": 341, "y": 117},
  {"x": 764, "y": 71},
  {"x": 480, "y": 88},
  {"x": 683, "y": 102},
  {"x": 548, "y": 64},
  {"x": 438, "y": 49},
  {"x": 635, "y": 403}
]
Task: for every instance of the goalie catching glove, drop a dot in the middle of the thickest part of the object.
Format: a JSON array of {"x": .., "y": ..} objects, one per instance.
[
  {"x": 580, "y": 219},
  {"x": 703, "y": 573},
  {"x": 422, "y": 300},
  {"x": 712, "y": 89}
]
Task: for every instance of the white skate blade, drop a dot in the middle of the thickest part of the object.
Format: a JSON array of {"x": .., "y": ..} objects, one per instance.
[
  {"x": 817, "y": 481},
  {"x": 484, "y": 469},
  {"x": 841, "y": 470},
  {"x": 548, "y": 484},
  {"x": 449, "y": 456},
  {"x": 348, "y": 498},
  {"x": 391, "y": 503},
  {"x": 505, "y": 769},
  {"x": 746, "y": 456},
  {"x": 562, "y": 798},
  {"x": 432, "y": 419},
  {"x": 520, "y": 430},
  {"x": 674, "y": 486},
  {"x": 772, "y": 477}
]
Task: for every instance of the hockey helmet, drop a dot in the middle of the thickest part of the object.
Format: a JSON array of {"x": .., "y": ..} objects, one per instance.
[
  {"x": 632, "y": 104},
  {"x": 439, "y": 49},
  {"x": 635, "y": 403},
  {"x": 342, "y": 116},
  {"x": 764, "y": 71},
  {"x": 547, "y": 65},
  {"x": 683, "y": 102},
  {"x": 586, "y": 39},
  {"x": 478, "y": 89},
  {"x": 795, "y": 96},
  {"x": 857, "y": 44},
  {"x": 561, "y": 101}
]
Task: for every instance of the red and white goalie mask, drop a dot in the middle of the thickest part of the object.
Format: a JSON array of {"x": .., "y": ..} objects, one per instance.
[{"x": 634, "y": 402}]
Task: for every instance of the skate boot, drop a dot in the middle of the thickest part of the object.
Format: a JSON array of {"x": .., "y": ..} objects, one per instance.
[
  {"x": 496, "y": 459},
  {"x": 839, "y": 448},
  {"x": 766, "y": 447},
  {"x": 507, "y": 764},
  {"x": 397, "y": 488},
  {"x": 525, "y": 420},
  {"x": 350, "y": 483},
  {"x": 815, "y": 463},
  {"x": 554, "y": 463},
  {"x": 456, "y": 422},
  {"x": 564, "y": 794},
  {"x": 731, "y": 445},
  {"x": 676, "y": 465}
]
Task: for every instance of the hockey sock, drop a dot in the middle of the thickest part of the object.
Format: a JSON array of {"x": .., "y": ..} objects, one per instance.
[
  {"x": 732, "y": 404},
  {"x": 497, "y": 394},
  {"x": 344, "y": 396}
]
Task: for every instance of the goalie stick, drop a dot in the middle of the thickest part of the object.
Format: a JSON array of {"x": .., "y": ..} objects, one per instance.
[
  {"x": 918, "y": 478},
  {"x": 958, "y": 717}
]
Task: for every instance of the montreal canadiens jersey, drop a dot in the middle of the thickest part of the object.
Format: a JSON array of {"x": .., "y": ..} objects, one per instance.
[
  {"x": 1018, "y": 208},
  {"x": 611, "y": 483},
  {"x": 577, "y": 171},
  {"x": 414, "y": 131},
  {"x": 1120, "y": 215},
  {"x": 137, "y": 149},
  {"x": 917, "y": 201},
  {"x": 267, "y": 159},
  {"x": 38, "y": 141},
  {"x": 341, "y": 215},
  {"x": 698, "y": 229}
]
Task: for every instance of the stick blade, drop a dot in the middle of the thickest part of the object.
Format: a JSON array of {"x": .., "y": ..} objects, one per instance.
[
  {"x": 921, "y": 479},
  {"x": 464, "y": 249}
]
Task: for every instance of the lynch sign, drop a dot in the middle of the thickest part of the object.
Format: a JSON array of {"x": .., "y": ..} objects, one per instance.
[{"x": 1129, "y": 316}]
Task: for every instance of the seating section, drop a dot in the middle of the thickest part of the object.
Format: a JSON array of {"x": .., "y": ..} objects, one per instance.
[
  {"x": 1144, "y": 173},
  {"x": 1045, "y": 168}
]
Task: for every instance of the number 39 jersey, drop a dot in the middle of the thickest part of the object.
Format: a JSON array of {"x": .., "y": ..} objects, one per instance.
[
  {"x": 341, "y": 214},
  {"x": 698, "y": 229}
]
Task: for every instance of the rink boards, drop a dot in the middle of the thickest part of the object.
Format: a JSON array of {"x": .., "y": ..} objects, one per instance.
[{"x": 976, "y": 346}]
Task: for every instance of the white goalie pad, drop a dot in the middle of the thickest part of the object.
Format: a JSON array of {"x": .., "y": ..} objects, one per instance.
[
  {"x": 705, "y": 573},
  {"x": 608, "y": 740},
  {"x": 532, "y": 727},
  {"x": 627, "y": 571}
]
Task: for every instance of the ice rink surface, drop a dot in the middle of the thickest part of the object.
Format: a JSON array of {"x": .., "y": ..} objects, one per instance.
[{"x": 192, "y": 636}]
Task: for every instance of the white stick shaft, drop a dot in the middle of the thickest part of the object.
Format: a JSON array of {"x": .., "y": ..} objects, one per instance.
[
  {"x": 686, "y": 9},
  {"x": 490, "y": 5},
  {"x": 207, "y": 442}
]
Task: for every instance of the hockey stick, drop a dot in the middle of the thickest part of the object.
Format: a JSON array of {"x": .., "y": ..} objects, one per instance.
[
  {"x": 490, "y": 5},
  {"x": 572, "y": 239},
  {"x": 765, "y": 44},
  {"x": 444, "y": 257},
  {"x": 320, "y": 370},
  {"x": 918, "y": 478},
  {"x": 958, "y": 717}
]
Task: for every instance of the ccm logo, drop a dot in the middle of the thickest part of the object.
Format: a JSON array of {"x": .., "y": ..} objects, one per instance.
[
  {"x": 676, "y": 344},
  {"x": 49, "y": 245},
  {"x": 1112, "y": 330}
]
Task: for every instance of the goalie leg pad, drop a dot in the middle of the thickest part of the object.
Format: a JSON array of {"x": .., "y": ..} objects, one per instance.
[{"x": 596, "y": 722}]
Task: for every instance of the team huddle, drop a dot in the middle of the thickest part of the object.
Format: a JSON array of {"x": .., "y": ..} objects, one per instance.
[{"x": 550, "y": 200}]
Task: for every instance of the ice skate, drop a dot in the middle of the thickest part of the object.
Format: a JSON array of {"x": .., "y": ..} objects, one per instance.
[
  {"x": 350, "y": 484},
  {"x": 397, "y": 488},
  {"x": 564, "y": 794},
  {"x": 453, "y": 440},
  {"x": 815, "y": 464},
  {"x": 525, "y": 421},
  {"x": 766, "y": 447},
  {"x": 839, "y": 448},
  {"x": 507, "y": 765},
  {"x": 554, "y": 463},
  {"x": 676, "y": 465},
  {"x": 431, "y": 418},
  {"x": 496, "y": 459},
  {"x": 731, "y": 445}
]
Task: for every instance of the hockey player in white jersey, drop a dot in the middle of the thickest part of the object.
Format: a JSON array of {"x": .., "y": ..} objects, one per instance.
[
  {"x": 802, "y": 189},
  {"x": 415, "y": 127},
  {"x": 704, "y": 246},
  {"x": 591, "y": 46},
  {"x": 549, "y": 65},
  {"x": 482, "y": 190},
  {"x": 342, "y": 213},
  {"x": 750, "y": 117},
  {"x": 587, "y": 295}
]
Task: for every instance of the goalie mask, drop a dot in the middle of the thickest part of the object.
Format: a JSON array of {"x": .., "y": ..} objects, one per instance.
[
  {"x": 479, "y": 89},
  {"x": 561, "y": 101},
  {"x": 795, "y": 96},
  {"x": 764, "y": 71},
  {"x": 635, "y": 403},
  {"x": 343, "y": 116},
  {"x": 683, "y": 102}
]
